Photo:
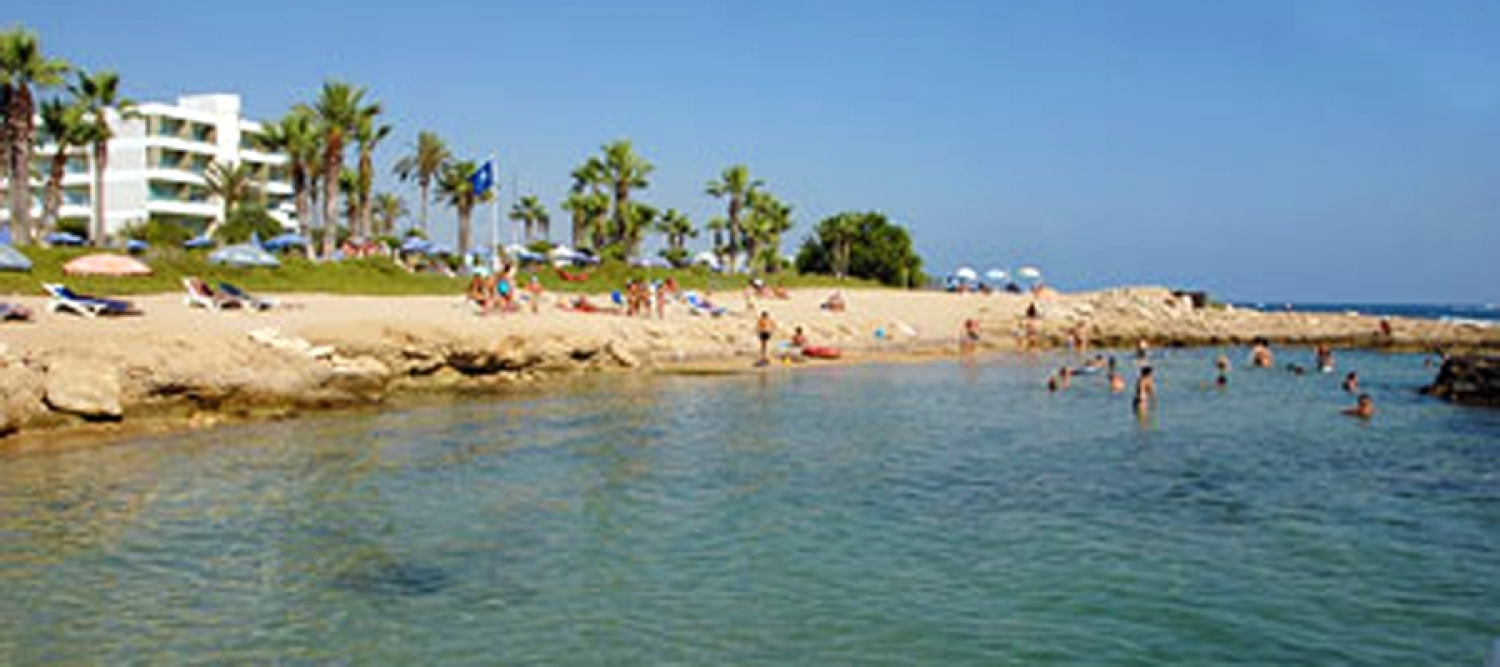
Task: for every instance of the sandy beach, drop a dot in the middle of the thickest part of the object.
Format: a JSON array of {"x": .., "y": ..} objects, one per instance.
[{"x": 178, "y": 366}]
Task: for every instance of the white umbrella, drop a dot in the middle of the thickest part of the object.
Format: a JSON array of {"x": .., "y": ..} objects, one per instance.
[
  {"x": 707, "y": 258},
  {"x": 560, "y": 252},
  {"x": 966, "y": 273},
  {"x": 995, "y": 274},
  {"x": 1029, "y": 272}
]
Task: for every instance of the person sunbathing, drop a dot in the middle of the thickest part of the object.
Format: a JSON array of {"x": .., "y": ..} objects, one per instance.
[
  {"x": 835, "y": 303},
  {"x": 14, "y": 313},
  {"x": 479, "y": 293}
]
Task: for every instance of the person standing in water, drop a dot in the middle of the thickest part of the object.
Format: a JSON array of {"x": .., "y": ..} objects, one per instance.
[
  {"x": 764, "y": 328},
  {"x": 1145, "y": 391},
  {"x": 1324, "y": 356},
  {"x": 1221, "y": 364},
  {"x": 968, "y": 336},
  {"x": 1260, "y": 355},
  {"x": 1116, "y": 381},
  {"x": 1351, "y": 383}
]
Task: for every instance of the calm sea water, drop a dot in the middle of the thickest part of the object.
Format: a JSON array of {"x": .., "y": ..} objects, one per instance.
[
  {"x": 1486, "y": 314},
  {"x": 934, "y": 514}
]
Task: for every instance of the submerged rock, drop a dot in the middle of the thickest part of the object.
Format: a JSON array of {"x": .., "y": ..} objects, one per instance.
[{"x": 1473, "y": 380}]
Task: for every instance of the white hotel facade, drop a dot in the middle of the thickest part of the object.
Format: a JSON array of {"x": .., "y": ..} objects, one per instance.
[{"x": 158, "y": 161}]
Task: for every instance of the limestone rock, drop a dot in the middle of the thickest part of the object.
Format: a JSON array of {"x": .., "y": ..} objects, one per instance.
[
  {"x": 89, "y": 390},
  {"x": 22, "y": 398},
  {"x": 621, "y": 356}
]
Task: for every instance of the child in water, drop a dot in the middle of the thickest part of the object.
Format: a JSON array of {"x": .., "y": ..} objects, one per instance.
[{"x": 1145, "y": 390}]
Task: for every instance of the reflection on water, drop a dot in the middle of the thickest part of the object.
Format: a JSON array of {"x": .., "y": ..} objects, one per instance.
[{"x": 938, "y": 514}]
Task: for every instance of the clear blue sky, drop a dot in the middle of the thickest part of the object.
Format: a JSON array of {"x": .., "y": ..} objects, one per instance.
[{"x": 1315, "y": 150}]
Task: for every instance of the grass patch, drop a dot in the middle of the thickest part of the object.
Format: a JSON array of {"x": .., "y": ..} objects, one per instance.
[{"x": 372, "y": 276}]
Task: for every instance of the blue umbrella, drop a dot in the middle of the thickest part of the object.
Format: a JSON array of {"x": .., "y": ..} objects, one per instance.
[
  {"x": 200, "y": 242},
  {"x": 417, "y": 244},
  {"x": 12, "y": 259},
  {"x": 136, "y": 245},
  {"x": 4, "y": 235},
  {"x": 288, "y": 240},
  {"x": 64, "y": 238},
  {"x": 243, "y": 254}
]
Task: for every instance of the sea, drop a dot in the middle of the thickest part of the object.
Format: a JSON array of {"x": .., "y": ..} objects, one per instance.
[
  {"x": 942, "y": 513},
  {"x": 1482, "y": 314}
]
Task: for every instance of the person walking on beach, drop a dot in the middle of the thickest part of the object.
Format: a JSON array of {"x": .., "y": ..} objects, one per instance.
[
  {"x": 764, "y": 328},
  {"x": 1145, "y": 391},
  {"x": 534, "y": 289}
]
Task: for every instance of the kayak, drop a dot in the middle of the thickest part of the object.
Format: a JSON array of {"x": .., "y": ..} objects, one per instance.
[{"x": 821, "y": 352}]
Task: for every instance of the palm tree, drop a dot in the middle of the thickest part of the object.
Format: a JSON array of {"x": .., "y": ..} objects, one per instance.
[
  {"x": 529, "y": 212},
  {"x": 64, "y": 125},
  {"x": 232, "y": 184},
  {"x": 639, "y": 218},
  {"x": 736, "y": 185},
  {"x": 589, "y": 211},
  {"x": 349, "y": 186},
  {"x": 424, "y": 164},
  {"x": 678, "y": 229},
  {"x": 623, "y": 171},
  {"x": 100, "y": 95},
  {"x": 337, "y": 110},
  {"x": 840, "y": 233},
  {"x": 716, "y": 227},
  {"x": 389, "y": 209},
  {"x": 368, "y": 133},
  {"x": 456, "y": 187},
  {"x": 22, "y": 68},
  {"x": 769, "y": 218},
  {"x": 296, "y": 135}
]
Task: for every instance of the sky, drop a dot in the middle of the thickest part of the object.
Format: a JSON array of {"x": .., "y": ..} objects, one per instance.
[{"x": 1322, "y": 150}]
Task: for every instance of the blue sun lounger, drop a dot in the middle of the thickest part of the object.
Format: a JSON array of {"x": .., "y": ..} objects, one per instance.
[{"x": 82, "y": 304}]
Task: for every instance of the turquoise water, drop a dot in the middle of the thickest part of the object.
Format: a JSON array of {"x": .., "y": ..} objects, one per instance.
[{"x": 934, "y": 514}]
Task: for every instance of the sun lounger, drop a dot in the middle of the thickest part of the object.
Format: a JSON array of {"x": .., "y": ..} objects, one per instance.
[
  {"x": 82, "y": 304},
  {"x": 246, "y": 298},
  {"x": 700, "y": 306},
  {"x": 12, "y": 313},
  {"x": 199, "y": 294}
]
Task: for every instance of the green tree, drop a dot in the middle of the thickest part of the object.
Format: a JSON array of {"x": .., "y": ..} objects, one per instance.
[
  {"x": 296, "y": 135},
  {"x": 337, "y": 110},
  {"x": 389, "y": 208},
  {"x": 639, "y": 219},
  {"x": 624, "y": 172},
  {"x": 246, "y": 222},
  {"x": 768, "y": 219},
  {"x": 736, "y": 187},
  {"x": 456, "y": 188},
  {"x": 589, "y": 211},
  {"x": 533, "y": 217},
  {"x": 368, "y": 133},
  {"x": 64, "y": 126},
  {"x": 424, "y": 164},
  {"x": 23, "y": 68},
  {"x": 99, "y": 94},
  {"x": 232, "y": 184},
  {"x": 875, "y": 249},
  {"x": 717, "y": 227},
  {"x": 678, "y": 229}
]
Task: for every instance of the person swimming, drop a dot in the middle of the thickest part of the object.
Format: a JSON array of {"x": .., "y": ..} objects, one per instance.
[
  {"x": 1364, "y": 408},
  {"x": 1351, "y": 382},
  {"x": 1260, "y": 354}
]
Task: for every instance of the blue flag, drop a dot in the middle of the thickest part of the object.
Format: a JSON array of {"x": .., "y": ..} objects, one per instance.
[{"x": 483, "y": 179}]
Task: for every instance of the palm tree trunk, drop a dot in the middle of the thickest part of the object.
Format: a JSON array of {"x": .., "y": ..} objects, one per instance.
[
  {"x": 101, "y": 164},
  {"x": 465, "y": 230},
  {"x": 52, "y": 199},
  {"x": 331, "y": 168},
  {"x": 732, "y": 260},
  {"x": 304, "y": 209},
  {"x": 425, "y": 185},
  {"x": 18, "y": 126}
]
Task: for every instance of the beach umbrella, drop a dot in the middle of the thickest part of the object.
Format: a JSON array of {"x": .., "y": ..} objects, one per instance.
[
  {"x": 966, "y": 273},
  {"x": 560, "y": 252},
  {"x": 707, "y": 258},
  {"x": 284, "y": 241},
  {"x": 4, "y": 235},
  {"x": 136, "y": 245},
  {"x": 243, "y": 255},
  {"x": 104, "y": 264},
  {"x": 199, "y": 242},
  {"x": 12, "y": 259},
  {"x": 64, "y": 238},
  {"x": 995, "y": 275},
  {"x": 1029, "y": 273}
]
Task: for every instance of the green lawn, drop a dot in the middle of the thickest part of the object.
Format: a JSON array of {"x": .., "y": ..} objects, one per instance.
[{"x": 375, "y": 276}]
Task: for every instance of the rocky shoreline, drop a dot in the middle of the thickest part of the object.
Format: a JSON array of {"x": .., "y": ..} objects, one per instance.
[{"x": 216, "y": 370}]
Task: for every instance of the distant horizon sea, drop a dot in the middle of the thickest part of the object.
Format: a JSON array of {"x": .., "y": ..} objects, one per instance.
[{"x": 1487, "y": 314}]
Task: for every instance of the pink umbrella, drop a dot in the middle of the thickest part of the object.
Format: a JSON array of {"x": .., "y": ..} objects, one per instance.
[{"x": 106, "y": 265}]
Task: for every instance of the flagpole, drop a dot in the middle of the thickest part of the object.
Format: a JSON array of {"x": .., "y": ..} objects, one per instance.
[
  {"x": 515, "y": 230},
  {"x": 495, "y": 214}
]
